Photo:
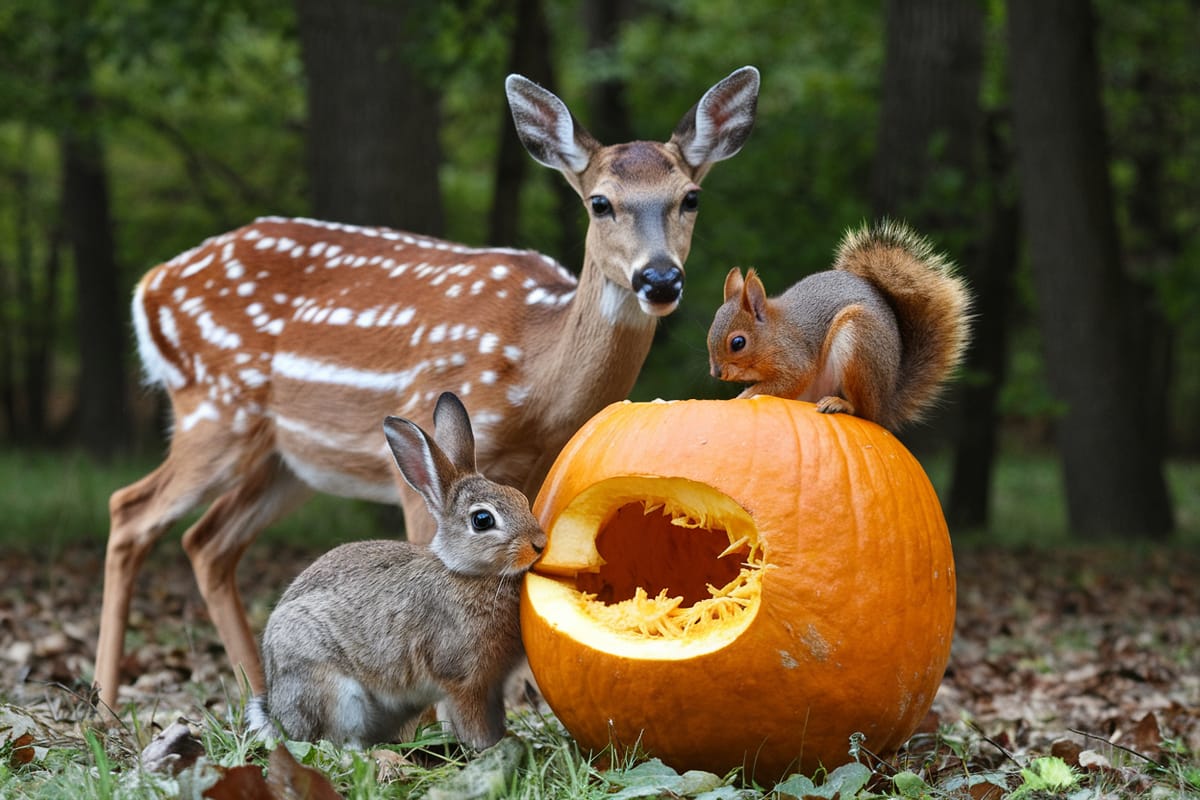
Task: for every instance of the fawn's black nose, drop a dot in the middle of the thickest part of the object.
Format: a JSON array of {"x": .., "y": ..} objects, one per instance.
[{"x": 659, "y": 283}]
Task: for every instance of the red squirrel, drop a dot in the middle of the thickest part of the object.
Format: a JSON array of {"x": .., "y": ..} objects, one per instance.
[{"x": 876, "y": 336}]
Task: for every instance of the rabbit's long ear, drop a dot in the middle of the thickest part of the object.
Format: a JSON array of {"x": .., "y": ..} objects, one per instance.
[
  {"x": 421, "y": 461},
  {"x": 452, "y": 430}
]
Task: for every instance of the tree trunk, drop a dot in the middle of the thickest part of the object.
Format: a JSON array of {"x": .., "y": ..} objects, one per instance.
[
  {"x": 529, "y": 55},
  {"x": 931, "y": 122},
  {"x": 968, "y": 503},
  {"x": 26, "y": 418},
  {"x": 930, "y": 118},
  {"x": 1157, "y": 243},
  {"x": 36, "y": 299},
  {"x": 1095, "y": 356},
  {"x": 608, "y": 107},
  {"x": 102, "y": 415},
  {"x": 38, "y": 357},
  {"x": 8, "y": 380},
  {"x": 372, "y": 121}
]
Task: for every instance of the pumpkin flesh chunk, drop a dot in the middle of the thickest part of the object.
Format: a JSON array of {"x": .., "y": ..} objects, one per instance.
[{"x": 647, "y": 559}]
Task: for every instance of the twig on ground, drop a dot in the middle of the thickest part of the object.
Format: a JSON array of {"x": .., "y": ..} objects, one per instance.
[{"x": 1131, "y": 751}]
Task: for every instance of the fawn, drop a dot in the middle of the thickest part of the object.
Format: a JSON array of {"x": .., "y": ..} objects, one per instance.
[{"x": 284, "y": 343}]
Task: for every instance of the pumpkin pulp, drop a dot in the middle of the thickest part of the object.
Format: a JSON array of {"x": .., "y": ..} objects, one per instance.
[{"x": 652, "y": 567}]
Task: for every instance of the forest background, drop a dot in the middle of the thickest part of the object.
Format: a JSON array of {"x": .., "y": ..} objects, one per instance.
[{"x": 1050, "y": 148}]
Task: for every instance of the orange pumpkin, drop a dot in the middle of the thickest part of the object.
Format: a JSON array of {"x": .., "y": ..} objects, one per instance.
[{"x": 741, "y": 583}]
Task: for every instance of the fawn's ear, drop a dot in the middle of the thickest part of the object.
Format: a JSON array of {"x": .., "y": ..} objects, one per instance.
[
  {"x": 421, "y": 462},
  {"x": 547, "y": 129},
  {"x": 717, "y": 126},
  {"x": 452, "y": 431},
  {"x": 733, "y": 283},
  {"x": 754, "y": 296}
]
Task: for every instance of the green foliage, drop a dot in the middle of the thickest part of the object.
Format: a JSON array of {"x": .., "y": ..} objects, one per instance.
[
  {"x": 847, "y": 780},
  {"x": 1149, "y": 62},
  {"x": 200, "y": 150},
  {"x": 1046, "y": 774},
  {"x": 781, "y": 204},
  {"x": 1025, "y": 394},
  {"x": 910, "y": 784},
  {"x": 104, "y": 786},
  {"x": 201, "y": 108}
]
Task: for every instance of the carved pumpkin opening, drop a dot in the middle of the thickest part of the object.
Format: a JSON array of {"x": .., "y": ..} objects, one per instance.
[
  {"x": 658, "y": 558},
  {"x": 645, "y": 547}
]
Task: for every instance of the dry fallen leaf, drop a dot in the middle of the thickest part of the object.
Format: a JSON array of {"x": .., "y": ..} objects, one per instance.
[
  {"x": 241, "y": 783},
  {"x": 1147, "y": 739},
  {"x": 986, "y": 790},
  {"x": 1067, "y": 750},
  {"x": 172, "y": 750},
  {"x": 291, "y": 780},
  {"x": 286, "y": 779},
  {"x": 27, "y": 732},
  {"x": 22, "y": 751}
]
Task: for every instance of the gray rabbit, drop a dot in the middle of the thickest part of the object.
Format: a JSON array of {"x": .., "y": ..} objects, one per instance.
[{"x": 372, "y": 633}]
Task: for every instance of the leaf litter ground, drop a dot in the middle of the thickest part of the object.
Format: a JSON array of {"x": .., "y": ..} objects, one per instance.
[{"x": 1090, "y": 655}]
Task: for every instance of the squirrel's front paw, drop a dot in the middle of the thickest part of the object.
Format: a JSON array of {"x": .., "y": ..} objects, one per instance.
[{"x": 834, "y": 405}]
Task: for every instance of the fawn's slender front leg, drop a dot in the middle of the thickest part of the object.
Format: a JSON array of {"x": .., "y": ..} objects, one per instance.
[{"x": 216, "y": 543}]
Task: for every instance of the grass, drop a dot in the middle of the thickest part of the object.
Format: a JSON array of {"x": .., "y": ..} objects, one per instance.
[
  {"x": 51, "y": 500},
  {"x": 539, "y": 760},
  {"x": 1028, "y": 507},
  {"x": 54, "y": 500}
]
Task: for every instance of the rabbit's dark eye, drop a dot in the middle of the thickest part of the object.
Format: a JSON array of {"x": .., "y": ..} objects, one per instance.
[
  {"x": 737, "y": 343},
  {"x": 691, "y": 200},
  {"x": 601, "y": 207},
  {"x": 482, "y": 520}
]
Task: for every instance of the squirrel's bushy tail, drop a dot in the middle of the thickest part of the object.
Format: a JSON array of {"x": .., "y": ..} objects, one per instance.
[{"x": 930, "y": 301}]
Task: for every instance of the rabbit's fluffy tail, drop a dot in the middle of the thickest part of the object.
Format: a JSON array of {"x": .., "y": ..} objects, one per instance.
[{"x": 258, "y": 718}]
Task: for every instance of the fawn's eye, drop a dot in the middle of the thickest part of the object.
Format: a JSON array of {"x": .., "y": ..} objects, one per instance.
[
  {"x": 737, "y": 343},
  {"x": 691, "y": 200},
  {"x": 482, "y": 520},
  {"x": 600, "y": 206}
]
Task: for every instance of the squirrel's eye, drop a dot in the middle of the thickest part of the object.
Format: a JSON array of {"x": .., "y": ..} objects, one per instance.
[
  {"x": 737, "y": 343},
  {"x": 600, "y": 206},
  {"x": 482, "y": 520},
  {"x": 691, "y": 200}
]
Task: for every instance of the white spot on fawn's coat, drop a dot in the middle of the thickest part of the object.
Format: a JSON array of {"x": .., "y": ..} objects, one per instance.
[
  {"x": 192, "y": 269},
  {"x": 205, "y": 410}
]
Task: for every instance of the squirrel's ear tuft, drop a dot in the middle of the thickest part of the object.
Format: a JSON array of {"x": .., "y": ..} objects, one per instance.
[
  {"x": 754, "y": 296},
  {"x": 733, "y": 283}
]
